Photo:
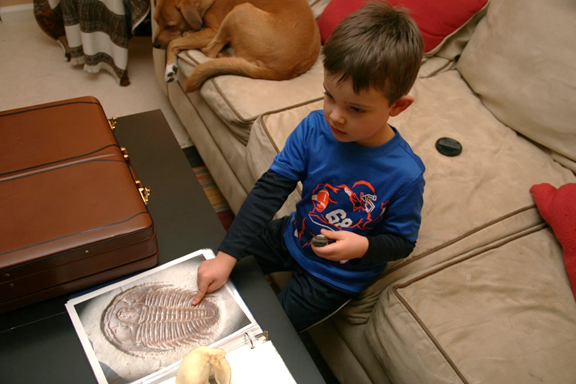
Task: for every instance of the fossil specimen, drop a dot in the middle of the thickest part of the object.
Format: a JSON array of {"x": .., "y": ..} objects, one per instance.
[
  {"x": 157, "y": 318},
  {"x": 196, "y": 366}
]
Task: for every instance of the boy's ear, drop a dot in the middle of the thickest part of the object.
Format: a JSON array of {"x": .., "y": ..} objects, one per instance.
[{"x": 401, "y": 104}]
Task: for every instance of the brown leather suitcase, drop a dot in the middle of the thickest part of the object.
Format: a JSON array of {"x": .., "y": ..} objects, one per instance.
[{"x": 72, "y": 211}]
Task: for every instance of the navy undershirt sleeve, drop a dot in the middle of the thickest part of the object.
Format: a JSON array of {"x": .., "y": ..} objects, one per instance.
[
  {"x": 259, "y": 208},
  {"x": 386, "y": 247}
]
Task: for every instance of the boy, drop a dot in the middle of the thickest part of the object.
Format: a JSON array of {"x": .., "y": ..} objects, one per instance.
[{"x": 362, "y": 184}]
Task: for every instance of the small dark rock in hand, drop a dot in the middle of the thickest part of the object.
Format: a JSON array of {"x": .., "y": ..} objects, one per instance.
[{"x": 319, "y": 240}]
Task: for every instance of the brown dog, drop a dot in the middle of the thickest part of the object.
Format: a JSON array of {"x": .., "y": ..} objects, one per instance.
[{"x": 271, "y": 39}]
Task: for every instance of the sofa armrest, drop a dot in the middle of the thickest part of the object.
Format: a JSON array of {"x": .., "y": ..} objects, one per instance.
[{"x": 158, "y": 55}]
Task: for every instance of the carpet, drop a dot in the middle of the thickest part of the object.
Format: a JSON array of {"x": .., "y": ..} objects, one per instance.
[{"x": 218, "y": 202}]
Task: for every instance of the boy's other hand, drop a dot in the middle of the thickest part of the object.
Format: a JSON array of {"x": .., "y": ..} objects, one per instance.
[
  {"x": 344, "y": 246},
  {"x": 212, "y": 274}
]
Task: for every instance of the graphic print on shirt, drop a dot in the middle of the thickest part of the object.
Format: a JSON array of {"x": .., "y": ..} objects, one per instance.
[{"x": 342, "y": 207}]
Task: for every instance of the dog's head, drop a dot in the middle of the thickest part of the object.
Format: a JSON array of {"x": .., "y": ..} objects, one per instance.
[{"x": 174, "y": 17}]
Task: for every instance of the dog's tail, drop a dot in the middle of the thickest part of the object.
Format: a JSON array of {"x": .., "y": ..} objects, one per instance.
[{"x": 229, "y": 66}]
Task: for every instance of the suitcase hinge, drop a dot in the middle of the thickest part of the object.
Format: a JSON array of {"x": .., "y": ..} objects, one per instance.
[
  {"x": 125, "y": 155},
  {"x": 112, "y": 123},
  {"x": 144, "y": 192}
]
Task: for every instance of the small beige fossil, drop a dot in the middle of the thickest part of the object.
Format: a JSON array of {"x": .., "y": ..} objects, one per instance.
[{"x": 195, "y": 367}]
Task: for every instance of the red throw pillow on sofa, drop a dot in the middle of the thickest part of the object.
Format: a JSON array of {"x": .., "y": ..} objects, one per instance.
[
  {"x": 436, "y": 19},
  {"x": 558, "y": 209}
]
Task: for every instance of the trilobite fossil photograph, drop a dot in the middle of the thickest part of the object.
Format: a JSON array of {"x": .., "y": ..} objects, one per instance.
[
  {"x": 139, "y": 327},
  {"x": 157, "y": 318}
]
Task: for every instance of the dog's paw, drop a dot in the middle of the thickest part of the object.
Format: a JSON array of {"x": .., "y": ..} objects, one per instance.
[{"x": 170, "y": 74}]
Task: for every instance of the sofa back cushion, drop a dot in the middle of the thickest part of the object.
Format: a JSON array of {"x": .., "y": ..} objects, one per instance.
[
  {"x": 437, "y": 20},
  {"x": 522, "y": 62}
]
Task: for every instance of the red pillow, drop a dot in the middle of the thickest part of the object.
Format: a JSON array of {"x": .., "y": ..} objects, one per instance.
[
  {"x": 558, "y": 209},
  {"x": 436, "y": 19}
]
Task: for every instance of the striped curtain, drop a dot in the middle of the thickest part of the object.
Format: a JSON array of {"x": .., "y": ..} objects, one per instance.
[{"x": 93, "y": 33}]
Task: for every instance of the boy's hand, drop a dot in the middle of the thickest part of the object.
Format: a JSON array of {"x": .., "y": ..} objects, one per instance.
[
  {"x": 212, "y": 274},
  {"x": 348, "y": 245}
]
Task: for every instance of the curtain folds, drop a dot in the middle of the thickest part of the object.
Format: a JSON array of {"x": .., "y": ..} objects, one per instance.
[{"x": 93, "y": 33}]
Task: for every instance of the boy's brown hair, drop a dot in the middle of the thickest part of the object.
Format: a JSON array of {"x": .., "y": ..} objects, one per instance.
[{"x": 377, "y": 46}]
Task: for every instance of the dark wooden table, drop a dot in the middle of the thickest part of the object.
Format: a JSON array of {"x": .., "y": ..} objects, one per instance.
[{"x": 38, "y": 343}]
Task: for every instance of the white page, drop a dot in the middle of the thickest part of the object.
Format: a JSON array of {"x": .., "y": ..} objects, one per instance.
[{"x": 263, "y": 364}]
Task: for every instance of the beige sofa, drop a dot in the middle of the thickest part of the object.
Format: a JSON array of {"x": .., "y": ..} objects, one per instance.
[{"x": 484, "y": 297}]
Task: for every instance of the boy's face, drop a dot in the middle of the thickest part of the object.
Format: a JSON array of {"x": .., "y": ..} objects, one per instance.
[{"x": 360, "y": 118}]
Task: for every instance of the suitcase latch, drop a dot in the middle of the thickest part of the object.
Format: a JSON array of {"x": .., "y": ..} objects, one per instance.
[
  {"x": 112, "y": 123},
  {"x": 144, "y": 192}
]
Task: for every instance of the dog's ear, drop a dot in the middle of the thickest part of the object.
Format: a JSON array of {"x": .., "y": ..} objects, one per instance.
[{"x": 190, "y": 14}]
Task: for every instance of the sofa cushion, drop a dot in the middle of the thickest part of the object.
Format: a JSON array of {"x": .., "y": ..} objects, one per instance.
[
  {"x": 437, "y": 20},
  {"x": 238, "y": 100},
  {"x": 522, "y": 62},
  {"x": 505, "y": 315}
]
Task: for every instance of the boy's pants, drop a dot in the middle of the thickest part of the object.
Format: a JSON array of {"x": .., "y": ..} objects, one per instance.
[{"x": 306, "y": 299}]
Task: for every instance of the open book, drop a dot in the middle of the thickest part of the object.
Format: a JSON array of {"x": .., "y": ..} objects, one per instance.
[{"x": 139, "y": 329}]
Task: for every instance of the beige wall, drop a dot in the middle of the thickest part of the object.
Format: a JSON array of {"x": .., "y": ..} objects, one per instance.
[{"x": 7, "y": 3}]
